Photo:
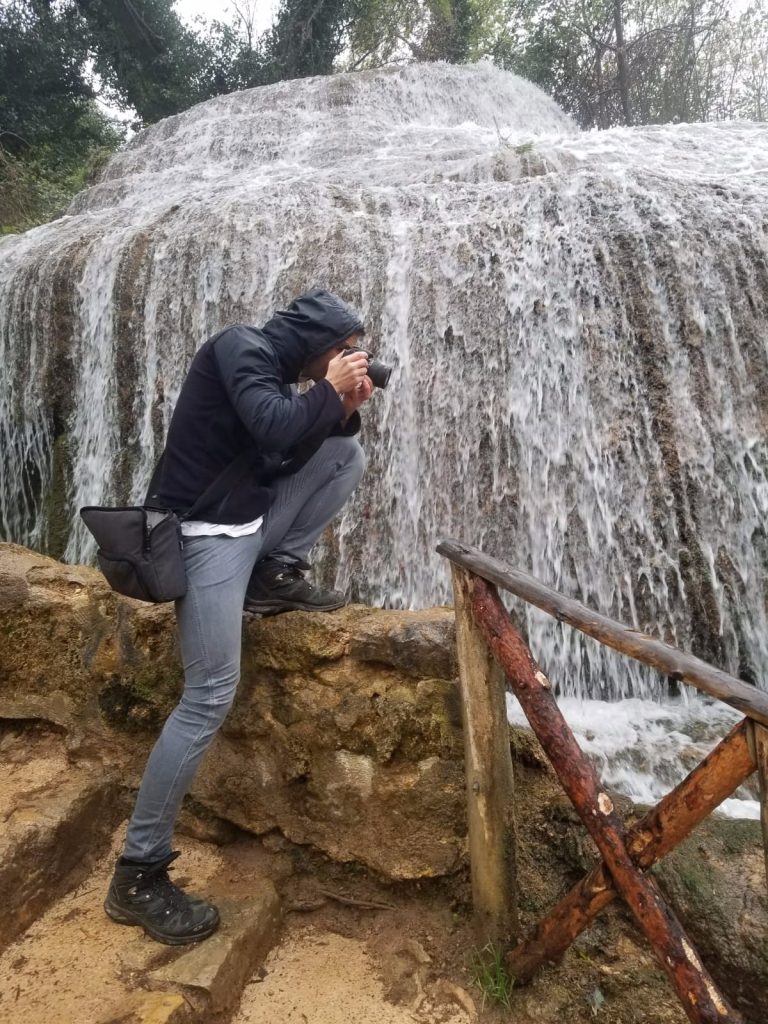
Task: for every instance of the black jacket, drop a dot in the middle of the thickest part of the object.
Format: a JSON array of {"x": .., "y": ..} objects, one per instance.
[{"x": 238, "y": 397}]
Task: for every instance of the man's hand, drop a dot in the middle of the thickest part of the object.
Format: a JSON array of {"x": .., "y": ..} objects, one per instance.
[
  {"x": 354, "y": 399},
  {"x": 346, "y": 372}
]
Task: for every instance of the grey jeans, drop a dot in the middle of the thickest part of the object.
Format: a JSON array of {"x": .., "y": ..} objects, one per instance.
[{"x": 209, "y": 619}]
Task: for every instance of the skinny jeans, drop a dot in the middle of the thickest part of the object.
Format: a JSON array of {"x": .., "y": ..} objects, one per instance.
[{"x": 209, "y": 623}]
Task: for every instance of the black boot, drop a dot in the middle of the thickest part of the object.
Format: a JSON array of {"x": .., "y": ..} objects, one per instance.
[
  {"x": 277, "y": 586},
  {"x": 143, "y": 894}
]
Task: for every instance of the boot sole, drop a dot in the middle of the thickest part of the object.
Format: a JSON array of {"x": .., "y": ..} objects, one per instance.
[
  {"x": 276, "y": 607},
  {"x": 121, "y": 916}
]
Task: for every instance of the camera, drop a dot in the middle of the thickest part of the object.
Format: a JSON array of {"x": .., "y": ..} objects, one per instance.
[{"x": 377, "y": 371}]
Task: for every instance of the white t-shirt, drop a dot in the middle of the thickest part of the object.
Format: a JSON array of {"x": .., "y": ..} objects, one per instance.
[{"x": 197, "y": 528}]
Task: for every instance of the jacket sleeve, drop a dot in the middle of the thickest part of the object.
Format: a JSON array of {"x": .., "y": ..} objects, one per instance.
[
  {"x": 275, "y": 421},
  {"x": 348, "y": 429}
]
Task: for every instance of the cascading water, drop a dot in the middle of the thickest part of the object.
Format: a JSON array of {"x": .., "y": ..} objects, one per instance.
[{"x": 578, "y": 322}]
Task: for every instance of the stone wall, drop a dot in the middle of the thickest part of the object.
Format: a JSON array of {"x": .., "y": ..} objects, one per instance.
[{"x": 345, "y": 732}]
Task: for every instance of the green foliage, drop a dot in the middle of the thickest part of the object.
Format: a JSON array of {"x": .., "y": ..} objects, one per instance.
[
  {"x": 613, "y": 62},
  {"x": 231, "y": 59},
  {"x": 43, "y": 92},
  {"x": 145, "y": 56},
  {"x": 307, "y": 37},
  {"x": 606, "y": 62},
  {"x": 381, "y": 32},
  {"x": 38, "y": 188},
  {"x": 490, "y": 974},
  {"x": 52, "y": 133}
]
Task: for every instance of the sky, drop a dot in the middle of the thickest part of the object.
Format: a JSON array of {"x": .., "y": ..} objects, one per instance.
[{"x": 222, "y": 11}]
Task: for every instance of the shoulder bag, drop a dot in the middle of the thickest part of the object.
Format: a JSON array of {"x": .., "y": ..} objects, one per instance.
[{"x": 140, "y": 548}]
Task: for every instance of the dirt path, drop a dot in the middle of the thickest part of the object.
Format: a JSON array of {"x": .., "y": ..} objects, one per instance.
[{"x": 319, "y": 977}]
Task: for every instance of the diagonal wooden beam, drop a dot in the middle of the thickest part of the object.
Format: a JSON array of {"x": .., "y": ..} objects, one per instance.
[
  {"x": 698, "y": 993},
  {"x": 722, "y": 771}
]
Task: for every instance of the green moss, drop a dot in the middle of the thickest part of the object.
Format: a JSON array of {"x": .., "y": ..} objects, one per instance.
[
  {"x": 738, "y": 835},
  {"x": 157, "y": 682},
  {"x": 142, "y": 702},
  {"x": 441, "y": 728},
  {"x": 530, "y": 902},
  {"x": 696, "y": 877},
  {"x": 56, "y": 510}
]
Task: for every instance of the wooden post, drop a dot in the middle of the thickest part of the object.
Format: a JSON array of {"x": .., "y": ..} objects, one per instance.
[
  {"x": 488, "y": 764},
  {"x": 719, "y": 774},
  {"x": 760, "y": 745},
  {"x": 698, "y": 993}
]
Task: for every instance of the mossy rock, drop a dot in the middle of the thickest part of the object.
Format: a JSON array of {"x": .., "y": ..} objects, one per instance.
[
  {"x": 715, "y": 881},
  {"x": 56, "y": 510}
]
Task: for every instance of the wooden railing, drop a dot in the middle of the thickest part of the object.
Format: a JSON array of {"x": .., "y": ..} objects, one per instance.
[{"x": 489, "y": 648}]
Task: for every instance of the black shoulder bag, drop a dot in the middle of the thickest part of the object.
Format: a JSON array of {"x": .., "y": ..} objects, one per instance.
[{"x": 140, "y": 547}]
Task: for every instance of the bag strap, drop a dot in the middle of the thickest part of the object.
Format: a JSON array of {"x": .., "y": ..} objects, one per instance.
[{"x": 215, "y": 490}]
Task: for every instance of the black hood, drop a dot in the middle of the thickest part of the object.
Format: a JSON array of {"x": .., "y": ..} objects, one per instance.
[{"x": 313, "y": 323}]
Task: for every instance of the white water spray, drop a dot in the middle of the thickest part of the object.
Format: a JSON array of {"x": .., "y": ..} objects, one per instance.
[{"x": 577, "y": 319}]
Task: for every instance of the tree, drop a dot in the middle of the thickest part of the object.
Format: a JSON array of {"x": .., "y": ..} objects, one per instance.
[
  {"x": 51, "y": 130},
  {"x": 145, "y": 56},
  {"x": 737, "y": 66},
  {"x": 386, "y": 31},
  {"x": 42, "y": 86},
  {"x": 643, "y": 61},
  {"x": 307, "y": 37}
]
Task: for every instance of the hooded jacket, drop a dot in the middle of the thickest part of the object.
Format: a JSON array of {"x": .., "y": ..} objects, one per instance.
[{"x": 238, "y": 397}]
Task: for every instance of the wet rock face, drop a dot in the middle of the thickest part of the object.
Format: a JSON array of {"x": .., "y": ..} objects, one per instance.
[
  {"x": 345, "y": 733},
  {"x": 715, "y": 880}
]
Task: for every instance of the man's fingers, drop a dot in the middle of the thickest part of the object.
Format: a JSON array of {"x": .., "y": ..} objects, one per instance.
[
  {"x": 355, "y": 359},
  {"x": 346, "y": 372},
  {"x": 364, "y": 390}
]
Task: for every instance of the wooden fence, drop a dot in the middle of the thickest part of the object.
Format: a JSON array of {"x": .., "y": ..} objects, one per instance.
[{"x": 489, "y": 648}]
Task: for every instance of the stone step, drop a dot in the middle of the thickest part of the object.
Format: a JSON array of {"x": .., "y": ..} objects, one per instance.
[
  {"x": 211, "y": 976},
  {"x": 57, "y": 819},
  {"x": 64, "y": 960},
  {"x": 74, "y": 963}
]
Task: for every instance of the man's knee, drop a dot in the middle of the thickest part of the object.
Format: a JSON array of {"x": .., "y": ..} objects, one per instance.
[
  {"x": 356, "y": 457},
  {"x": 347, "y": 453},
  {"x": 207, "y": 711}
]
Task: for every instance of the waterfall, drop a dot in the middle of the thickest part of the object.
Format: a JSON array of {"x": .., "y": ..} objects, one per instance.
[{"x": 578, "y": 322}]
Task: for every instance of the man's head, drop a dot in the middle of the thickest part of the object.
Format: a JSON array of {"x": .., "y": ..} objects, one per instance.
[{"x": 314, "y": 326}]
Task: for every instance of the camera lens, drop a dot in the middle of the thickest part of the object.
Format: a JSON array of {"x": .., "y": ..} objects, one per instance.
[{"x": 378, "y": 372}]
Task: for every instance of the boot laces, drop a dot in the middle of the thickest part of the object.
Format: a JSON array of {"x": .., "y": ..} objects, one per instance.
[
  {"x": 289, "y": 571},
  {"x": 158, "y": 883}
]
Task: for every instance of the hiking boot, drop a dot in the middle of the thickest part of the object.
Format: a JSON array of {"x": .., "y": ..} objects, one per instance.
[
  {"x": 143, "y": 894},
  {"x": 277, "y": 586}
]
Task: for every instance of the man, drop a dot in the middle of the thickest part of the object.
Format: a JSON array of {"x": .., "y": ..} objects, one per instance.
[{"x": 288, "y": 463}]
